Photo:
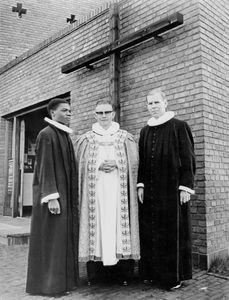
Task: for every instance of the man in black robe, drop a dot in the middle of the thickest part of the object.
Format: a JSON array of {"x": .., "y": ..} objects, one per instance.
[
  {"x": 53, "y": 262},
  {"x": 165, "y": 183}
]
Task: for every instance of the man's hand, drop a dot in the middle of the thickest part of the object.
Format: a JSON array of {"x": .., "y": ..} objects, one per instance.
[
  {"x": 184, "y": 197},
  {"x": 108, "y": 166},
  {"x": 54, "y": 206},
  {"x": 141, "y": 194}
]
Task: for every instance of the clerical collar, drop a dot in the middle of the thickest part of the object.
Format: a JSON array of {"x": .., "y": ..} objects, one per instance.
[
  {"x": 101, "y": 131},
  {"x": 59, "y": 125},
  {"x": 168, "y": 115}
]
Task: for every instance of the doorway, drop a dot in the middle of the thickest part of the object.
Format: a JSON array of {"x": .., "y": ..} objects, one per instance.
[
  {"x": 31, "y": 124},
  {"x": 22, "y": 128}
]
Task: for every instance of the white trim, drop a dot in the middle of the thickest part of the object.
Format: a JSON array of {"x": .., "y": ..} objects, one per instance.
[
  {"x": 140, "y": 185},
  {"x": 168, "y": 115},
  {"x": 59, "y": 125},
  {"x": 186, "y": 189},
  {"x": 50, "y": 197},
  {"x": 97, "y": 128}
]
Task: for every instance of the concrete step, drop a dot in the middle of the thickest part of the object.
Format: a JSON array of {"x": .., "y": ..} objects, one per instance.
[
  {"x": 14, "y": 231},
  {"x": 14, "y": 239}
]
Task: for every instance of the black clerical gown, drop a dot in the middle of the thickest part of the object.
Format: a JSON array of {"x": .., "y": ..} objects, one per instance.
[
  {"x": 52, "y": 263},
  {"x": 166, "y": 162}
]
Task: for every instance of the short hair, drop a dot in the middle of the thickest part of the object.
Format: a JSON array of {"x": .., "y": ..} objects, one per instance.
[
  {"x": 54, "y": 103},
  {"x": 104, "y": 101},
  {"x": 156, "y": 91}
]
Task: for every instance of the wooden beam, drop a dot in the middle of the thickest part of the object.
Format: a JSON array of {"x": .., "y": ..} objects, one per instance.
[
  {"x": 114, "y": 60},
  {"x": 148, "y": 32}
]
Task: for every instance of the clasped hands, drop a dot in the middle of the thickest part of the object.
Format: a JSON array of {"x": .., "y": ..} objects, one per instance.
[
  {"x": 108, "y": 166},
  {"x": 184, "y": 196}
]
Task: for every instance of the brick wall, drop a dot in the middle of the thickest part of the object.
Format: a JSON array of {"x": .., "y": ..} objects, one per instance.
[
  {"x": 174, "y": 64},
  {"x": 214, "y": 17},
  {"x": 36, "y": 76},
  {"x": 179, "y": 63},
  {"x": 42, "y": 19}
]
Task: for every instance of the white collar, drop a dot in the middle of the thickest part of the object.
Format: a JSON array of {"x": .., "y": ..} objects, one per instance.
[
  {"x": 59, "y": 125},
  {"x": 168, "y": 115},
  {"x": 101, "y": 131}
]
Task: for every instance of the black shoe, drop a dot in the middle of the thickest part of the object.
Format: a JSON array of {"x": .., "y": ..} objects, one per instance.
[
  {"x": 150, "y": 282},
  {"x": 147, "y": 281},
  {"x": 91, "y": 282},
  {"x": 174, "y": 286},
  {"x": 124, "y": 283}
]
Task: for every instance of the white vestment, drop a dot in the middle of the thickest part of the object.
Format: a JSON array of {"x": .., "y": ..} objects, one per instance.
[{"x": 108, "y": 198}]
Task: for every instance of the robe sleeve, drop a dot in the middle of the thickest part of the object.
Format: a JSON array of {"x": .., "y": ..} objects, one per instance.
[
  {"x": 187, "y": 158},
  {"x": 132, "y": 153},
  {"x": 45, "y": 168},
  {"x": 81, "y": 146},
  {"x": 140, "y": 181}
]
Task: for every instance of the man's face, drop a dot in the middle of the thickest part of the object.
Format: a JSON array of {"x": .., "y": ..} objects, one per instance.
[
  {"x": 156, "y": 105},
  {"x": 62, "y": 114},
  {"x": 104, "y": 114}
]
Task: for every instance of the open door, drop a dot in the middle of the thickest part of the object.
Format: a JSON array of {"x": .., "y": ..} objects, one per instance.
[
  {"x": 22, "y": 128},
  {"x": 21, "y": 155}
]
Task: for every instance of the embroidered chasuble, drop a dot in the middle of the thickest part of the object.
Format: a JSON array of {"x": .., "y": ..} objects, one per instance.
[{"x": 108, "y": 201}]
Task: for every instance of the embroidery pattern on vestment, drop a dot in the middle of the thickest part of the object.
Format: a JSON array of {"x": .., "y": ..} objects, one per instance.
[
  {"x": 91, "y": 169},
  {"x": 123, "y": 170},
  {"x": 123, "y": 176}
]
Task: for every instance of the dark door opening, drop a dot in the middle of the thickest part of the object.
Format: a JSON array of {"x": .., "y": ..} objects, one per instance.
[{"x": 33, "y": 124}]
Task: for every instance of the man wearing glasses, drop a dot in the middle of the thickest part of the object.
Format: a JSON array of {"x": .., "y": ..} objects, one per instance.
[{"x": 107, "y": 164}]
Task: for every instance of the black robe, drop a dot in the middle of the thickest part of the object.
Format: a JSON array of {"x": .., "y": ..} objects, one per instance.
[
  {"x": 52, "y": 262},
  {"x": 166, "y": 162}
]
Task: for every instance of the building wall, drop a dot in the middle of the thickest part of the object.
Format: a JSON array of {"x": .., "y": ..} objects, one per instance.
[
  {"x": 214, "y": 17},
  {"x": 42, "y": 19},
  {"x": 178, "y": 64}
]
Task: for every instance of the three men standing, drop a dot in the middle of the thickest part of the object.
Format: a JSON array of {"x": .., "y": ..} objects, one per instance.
[
  {"x": 53, "y": 253},
  {"x": 165, "y": 182},
  {"x": 107, "y": 164}
]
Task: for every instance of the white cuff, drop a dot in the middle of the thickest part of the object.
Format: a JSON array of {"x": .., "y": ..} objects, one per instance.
[
  {"x": 50, "y": 197},
  {"x": 186, "y": 189},
  {"x": 140, "y": 185}
]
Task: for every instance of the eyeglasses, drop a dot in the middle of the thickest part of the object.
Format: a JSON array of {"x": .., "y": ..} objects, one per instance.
[{"x": 101, "y": 113}]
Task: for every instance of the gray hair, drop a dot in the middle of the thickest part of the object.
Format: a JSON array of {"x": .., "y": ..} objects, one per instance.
[
  {"x": 103, "y": 101},
  {"x": 156, "y": 91}
]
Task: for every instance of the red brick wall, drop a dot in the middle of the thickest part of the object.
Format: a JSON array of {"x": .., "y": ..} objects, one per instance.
[
  {"x": 189, "y": 63},
  {"x": 42, "y": 19}
]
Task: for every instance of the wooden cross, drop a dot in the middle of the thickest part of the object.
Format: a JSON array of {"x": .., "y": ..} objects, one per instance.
[
  {"x": 72, "y": 19},
  {"x": 117, "y": 45},
  {"x": 19, "y": 10}
]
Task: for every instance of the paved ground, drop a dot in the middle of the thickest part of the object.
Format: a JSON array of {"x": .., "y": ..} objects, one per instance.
[
  {"x": 13, "y": 261},
  {"x": 13, "y": 265}
]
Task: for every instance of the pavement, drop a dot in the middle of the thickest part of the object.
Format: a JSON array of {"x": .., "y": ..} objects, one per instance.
[
  {"x": 14, "y": 231},
  {"x": 13, "y": 268}
]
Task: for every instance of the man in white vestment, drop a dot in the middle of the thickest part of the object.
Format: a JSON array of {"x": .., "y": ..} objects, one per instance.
[{"x": 107, "y": 159}]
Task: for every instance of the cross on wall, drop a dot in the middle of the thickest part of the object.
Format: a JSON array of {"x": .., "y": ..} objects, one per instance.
[
  {"x": 19, "y": 10},
  {"x": 72, "y": 19},
  {"x": 116, "y": 46}
]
